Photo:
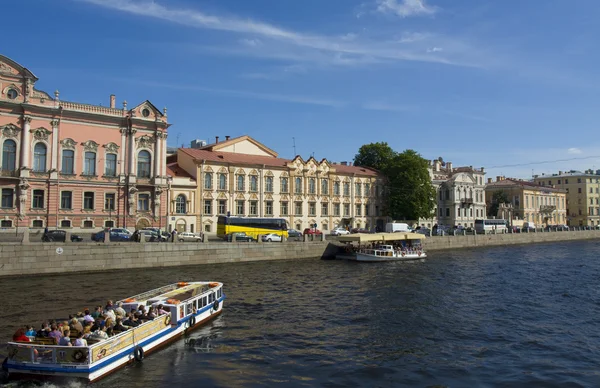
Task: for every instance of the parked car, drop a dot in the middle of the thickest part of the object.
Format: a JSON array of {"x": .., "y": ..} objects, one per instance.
[
  {"x": 271, "y": 237},
  {"x": 294, "y": 233},
  {"x": 423, "y": 231},
  {"x": 189, "y": 237},
  {"x": 112, "y": 236},
  {"x": 360, "y": 230},
  {"x": 314, "y": 231},
  {"x": 153, "y": 236},
  {"x": 337, "y": 232},
  {"x": 59, "y": 236},
  {"x": 121, "y": 231},
  {"x": 240, "y": 237},
  {"x": 163, "y": 233}
]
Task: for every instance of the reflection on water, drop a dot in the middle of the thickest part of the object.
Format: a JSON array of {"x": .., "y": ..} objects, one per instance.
[{"x": 517, "y": 316}]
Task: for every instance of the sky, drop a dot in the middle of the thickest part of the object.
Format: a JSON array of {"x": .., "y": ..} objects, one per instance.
[{"x": 511, "y": 85}]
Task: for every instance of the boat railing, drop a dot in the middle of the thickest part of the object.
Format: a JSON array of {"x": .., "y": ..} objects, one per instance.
[
  {"x": 152, "y": 293},
  {"x": 24, "y": 352}
]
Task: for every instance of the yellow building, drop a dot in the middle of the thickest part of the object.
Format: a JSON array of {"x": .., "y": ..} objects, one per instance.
[
  {"x": 583, "y": 195},
  {"x": 531, "y": 202},
  {"x": 243, "y": 177}
]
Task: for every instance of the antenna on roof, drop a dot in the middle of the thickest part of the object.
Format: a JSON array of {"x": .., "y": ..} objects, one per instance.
[
  {"x": 294, "y": 140},
  {"x": 177, "y": 138}
]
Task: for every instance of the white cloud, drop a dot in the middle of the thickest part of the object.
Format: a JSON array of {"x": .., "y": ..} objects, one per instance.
[
  {"x": 434, "y": 50},
  {"x": 250, "y": 42},
  {"x": 405, "y": 8},
  {"x": 574, "y": 151}
]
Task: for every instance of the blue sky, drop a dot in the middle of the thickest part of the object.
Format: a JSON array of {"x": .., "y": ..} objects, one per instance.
[{"x": 478, "y": 82}]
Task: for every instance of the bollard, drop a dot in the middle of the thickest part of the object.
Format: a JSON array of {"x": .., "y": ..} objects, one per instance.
[
  {"x": 25, "y": 238},
  {"x": 68, "y": 237},
  {"x": 322, "y": 237},
  {"x": 305, "y": 238},
  {"x": 106, "y": 237},
  {"x": 283, "y": 239},
  {"x": 259, "y": 238}
]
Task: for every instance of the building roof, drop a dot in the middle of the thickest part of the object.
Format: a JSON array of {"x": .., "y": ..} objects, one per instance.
[
  {"x": 567, "y": 174},
  {"x": 269, "y": 161},
  {"x": 508, "y": 182},
  {"x": 174, "y": 170},
  {"x": 225, "y": 143}
]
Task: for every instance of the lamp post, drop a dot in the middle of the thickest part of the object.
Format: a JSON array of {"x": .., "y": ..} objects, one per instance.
[{"x": 169, "y": 181}]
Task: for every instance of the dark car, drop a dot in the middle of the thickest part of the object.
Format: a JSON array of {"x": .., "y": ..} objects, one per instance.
[
  {"x": 113, "y": 236},
  {"x": 240, "y": 237},
  {"x": 294, "y": 233},
  {"x": 59, "y": 236},
  {"x": 423, "y": 231}
]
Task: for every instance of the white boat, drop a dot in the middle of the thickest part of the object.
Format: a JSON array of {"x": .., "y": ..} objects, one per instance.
[
  {"x": 189, "y": 305},
  {"x": 383, "y": 247}
]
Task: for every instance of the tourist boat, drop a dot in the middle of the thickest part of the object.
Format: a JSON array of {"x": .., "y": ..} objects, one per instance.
[
  {"x": 189, "y": 305},
  {"x": 377, "y": 247}
]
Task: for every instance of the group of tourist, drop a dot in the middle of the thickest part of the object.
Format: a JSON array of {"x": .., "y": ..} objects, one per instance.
[{"x": 97, "y": 325}]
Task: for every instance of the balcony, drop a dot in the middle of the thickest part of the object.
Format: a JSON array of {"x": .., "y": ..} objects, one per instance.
[
  {"x": 545, "y": 209},
  {"x": 9, "y": 173},
  {"x": 466, "y": 201}
]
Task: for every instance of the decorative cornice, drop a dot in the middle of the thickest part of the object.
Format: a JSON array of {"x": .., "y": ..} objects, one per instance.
[
  {"x": 68, "y": 144},
  {"x": 111, "y": 147},
  {"x": 54, "y": 123},
  {"x": 10, "y": 130},
  {"x": 90, "y": 146},
  {"x": 41, "y": 133},
  {"x": 123, "y": 130},
  {"x": 27, "y": 119}
]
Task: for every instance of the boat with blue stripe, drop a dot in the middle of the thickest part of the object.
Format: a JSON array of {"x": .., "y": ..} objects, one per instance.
[{"x": 187, "y": 305}]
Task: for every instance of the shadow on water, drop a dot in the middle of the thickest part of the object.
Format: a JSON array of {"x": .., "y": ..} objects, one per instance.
[{"x": 504, "y": 316}]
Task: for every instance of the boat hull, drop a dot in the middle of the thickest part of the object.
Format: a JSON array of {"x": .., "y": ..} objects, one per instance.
[{"x": 373, "y": 258}]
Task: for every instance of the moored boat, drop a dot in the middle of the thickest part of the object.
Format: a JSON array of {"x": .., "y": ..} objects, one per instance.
[
  {"x": 383, "y": 247},
  {"x": 186, "y": 306}
]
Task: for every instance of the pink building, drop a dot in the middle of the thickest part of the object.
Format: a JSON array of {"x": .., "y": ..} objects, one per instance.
[{"x": 78, "y": 166}]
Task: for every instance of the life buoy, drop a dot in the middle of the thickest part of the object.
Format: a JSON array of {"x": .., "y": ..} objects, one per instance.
[
  {"x": 129, "y": 300},
  {"x": 78, "y": 356},
  {"x": 213, "y": 284},
  {"x": 167, "y": 320},
  {"x": 216, "y": 305},
  {"x": 138, "y": 353},
  {"x": 182, "y": 284},
  {"x": 172, "y": 301},
  {"x": 191, "y": 321}
]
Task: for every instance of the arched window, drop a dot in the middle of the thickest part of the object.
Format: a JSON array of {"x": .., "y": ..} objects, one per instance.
[
  {"x": 143, "y": 164},
  {"x": 39, "y": 157},
  {"x": 240, "y": 183},
  {"x": 180, "y": 204},
  {"x": 253, "y": 183},
  {"x": 298, "y": 188},
  {"x": 9, "y": 155},
  {"x": 207, "y": 180},
  {"x": 269, "y": 184},
  {"x": 312, "y": 186},
  {"x": 222, "y": 182}
]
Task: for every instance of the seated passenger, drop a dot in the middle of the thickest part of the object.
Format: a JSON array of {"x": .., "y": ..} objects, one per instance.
[
  {"x": 161, "y": 310},
  {"x": 119, "y": 325},
  {"x": 109, "y": 305},
  {"x": 87, "y": 331},
  {"x": 20, "y": 336},
  {"x": 99, "y": 334},
  {"x": 109, "y": 314},
  {"x": 30, "y": 331},
  {"x": 80, "y": 341},
  {"x": 76, "y": 325},
  {"x": 110, "y": 332},
  {"x": 55, "y": 333},
  {"x": 65, "y": 340},
  {"x": 119, "y": 310},
  {"x": 87, "y": 317},
  {"x": 97, "y": 312},
  {"x": 131, "y": 321}
]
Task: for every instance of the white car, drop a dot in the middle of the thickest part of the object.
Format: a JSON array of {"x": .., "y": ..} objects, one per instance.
[
  {"x": 271, "y": 237},
  {"x": 188, "y": 237},
  {"x": 339, "y": 232}
]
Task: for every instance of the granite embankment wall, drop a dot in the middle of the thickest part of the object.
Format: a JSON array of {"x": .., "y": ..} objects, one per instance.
[
  {"x": 47, "y": 258},
  {"x": 480, "y": 240}
]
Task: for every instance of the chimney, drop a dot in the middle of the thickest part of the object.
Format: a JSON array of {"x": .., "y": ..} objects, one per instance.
[
  {"x": 349, "y": 163},
  {"x": 560, "y": 173},
  {"x": 216, "y": 139},
  {"x": 489, "y": 180},
  {"x": 498, "y": 178},
  {"x": 449, "y": 166},
  {"x": 227, "y": 137},
  {"x": 436, "y": 165},
  {"x": 344, "y": 163},
  {"x": 113, "y": 99}
]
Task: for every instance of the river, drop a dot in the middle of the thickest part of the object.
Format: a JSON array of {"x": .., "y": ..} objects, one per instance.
[{"x": 519, "y": 316}]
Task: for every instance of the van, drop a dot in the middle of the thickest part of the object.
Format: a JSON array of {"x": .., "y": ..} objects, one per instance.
[
  {"x": 528, "y": 225},
  {"x": 392, "y": 227}
]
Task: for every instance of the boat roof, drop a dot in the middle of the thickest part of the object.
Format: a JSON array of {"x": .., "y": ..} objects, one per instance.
[
  {"x": 369, "y": 237},
  {"x": 177, "y": 292}
]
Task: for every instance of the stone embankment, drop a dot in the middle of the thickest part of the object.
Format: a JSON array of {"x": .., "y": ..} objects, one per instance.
[{"x": 48, "y": 258}]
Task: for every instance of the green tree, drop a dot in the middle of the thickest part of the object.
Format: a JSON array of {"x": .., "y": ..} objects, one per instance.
[
  {"x": 410, "y": 193},
  {"x": 498, "y": 197}
]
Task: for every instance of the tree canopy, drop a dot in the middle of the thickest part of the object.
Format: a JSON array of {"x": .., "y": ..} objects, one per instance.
[
  {"x": 498, "y": 197},
  {"x": 410, "y": 193}
]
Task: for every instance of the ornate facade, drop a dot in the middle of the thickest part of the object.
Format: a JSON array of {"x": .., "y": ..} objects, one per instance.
[
  {"x": 243, "y": 177},
  {"x": 78, "y": 166}
]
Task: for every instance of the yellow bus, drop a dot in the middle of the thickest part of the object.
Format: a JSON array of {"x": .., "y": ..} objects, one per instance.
[{"x": 253, "y": 226}]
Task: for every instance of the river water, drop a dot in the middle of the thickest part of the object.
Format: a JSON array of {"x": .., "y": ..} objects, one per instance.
[{"x": 520, "y": 316}]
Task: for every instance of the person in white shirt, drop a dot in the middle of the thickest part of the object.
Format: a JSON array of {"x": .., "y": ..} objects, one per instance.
[{"x": 120, "y": 311}]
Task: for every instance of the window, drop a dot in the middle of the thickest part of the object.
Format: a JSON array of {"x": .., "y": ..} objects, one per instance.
[
  {"x": 591, "y": 190},
  {"x": 269, "y": 208},
  {"x": 336, "y": 209},
  {"x": 346, "y": 210},
  {"x": 298, "y": 208},
  {"x": 9, "y": 155},
  {"x": 357, "y": 189},
  {"x": 7, "y": 198},
  {"x": 37, "y": 224},
  {"x": 284, "y": 185},
  {"x": 269, "y": 184},
  {"x": 109, "y": 201},
  {"x": 222, "y": 182},
  {"x": 67, "y": 161},
  {"x": 6, "y": 224},
  {"x": 143, "y": 164},
  {"x": 109, "y": 224},
  {"x": 284, "y": 209},
  {"x": 88, "y": 200},
  {"x": 441, "y": 212},
  {"x": 253, "y": 183},
  {"x": 253, "y": 208},
  {"x": 367, "y": 209},
  {"x": 143, "y": 202},
  {"x": 447, "y": 212},
  {"x": 312, "y": 187},
  {"x": 376, "y": 211},
  {"x": 180, "y": 204},
  {"x": 324, "y": 209},
  {"x": 66, "y": 200},
  {"x": 208, "y": 206},
  {"x": 89, "y": 167},
  {"x": 367, "y": 189},
  {"x": 65, "y": 223},
  {"x": 559, "y": 181},
  {"x": 566, "y": 181},
  {"x": 579, "y": 190},
  {"x": 240, "y": 183},
  {"x": 578, "y": 180},
  {"x": 346, "y": 188},
  {"x": 222, "y": 206},
  {"x": 37, "y": 199},
  {"x": 324, "y": 186},
  {"x": 206, "y": 228},
  {"x": 239, "y": 207},
  {"x": 88, "y": 224},
  {"x": 312, "y": 209},
  {"x": 39, "y": 157},
  {"x": 298, "y": 188},
  {"x": 336, "y": 188},
  {"x": 12, "y": 94},
  {"x": 358, "y": 210},
  {"x": 325, "y": 226},
  {"x": 111, "y": 165}
]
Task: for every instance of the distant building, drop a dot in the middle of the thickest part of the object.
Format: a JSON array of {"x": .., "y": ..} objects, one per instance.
[
  {"x": 582, "y": 194},
  {"x": 243, "y": 177},
  {"x": 531, "y": 202}
]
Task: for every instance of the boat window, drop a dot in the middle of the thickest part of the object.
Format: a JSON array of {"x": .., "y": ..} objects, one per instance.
[
  {"x": 194, "y": 303},
  {"x": 204, "y": 301},
  {"x": 188, "y": 308},
  {"x": 219, "y": 293}
]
